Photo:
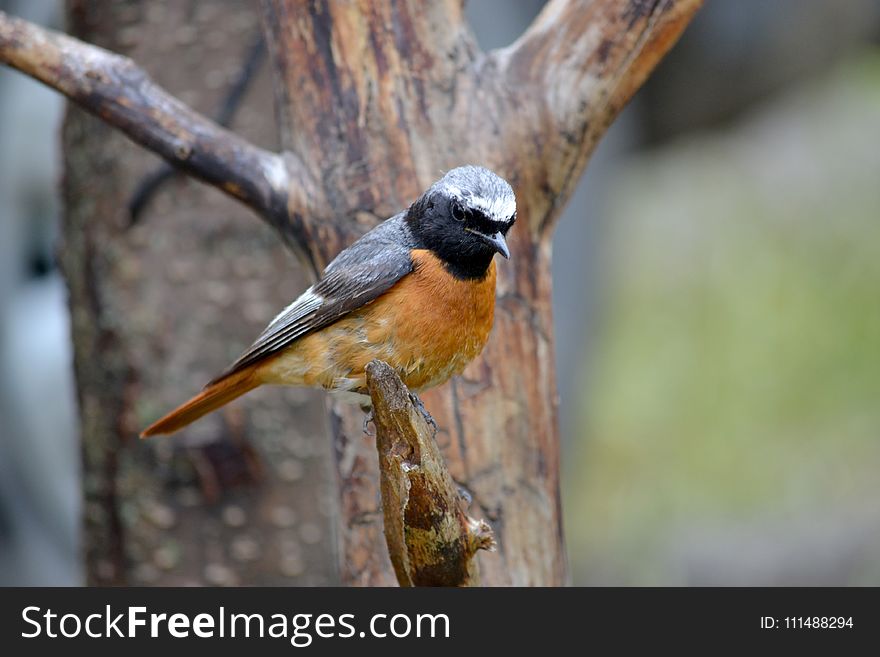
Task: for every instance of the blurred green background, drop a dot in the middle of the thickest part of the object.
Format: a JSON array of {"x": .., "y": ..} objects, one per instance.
[{"x": 728, "y": 425}]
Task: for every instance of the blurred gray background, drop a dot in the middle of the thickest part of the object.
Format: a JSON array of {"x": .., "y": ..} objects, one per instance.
[{"x": 716, "y": 282}]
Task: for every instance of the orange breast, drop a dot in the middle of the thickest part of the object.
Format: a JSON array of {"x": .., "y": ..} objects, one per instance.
[
  {"x": 429, "y": 326},
  {"x": 435, "y": 323}
]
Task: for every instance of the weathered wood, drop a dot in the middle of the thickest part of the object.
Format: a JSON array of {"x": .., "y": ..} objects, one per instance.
[
  {"x": 378, "y": 99},
  {"x": 245, "y": 495},
  {"x": 431, "y": 540},
  {"x": 375, "y": 100},
  {"x": 119, "y": 92},
  {"x": 568, "y": 76}
]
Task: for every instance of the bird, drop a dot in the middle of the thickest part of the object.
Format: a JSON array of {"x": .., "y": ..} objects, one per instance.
[{"x": 417, "y": 291}]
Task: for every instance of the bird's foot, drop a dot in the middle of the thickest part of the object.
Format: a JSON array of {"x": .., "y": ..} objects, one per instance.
[{"x": 419, "y": 404}]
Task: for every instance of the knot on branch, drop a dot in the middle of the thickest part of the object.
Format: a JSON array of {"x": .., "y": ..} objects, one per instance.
[{"x": 431, "y": 540}]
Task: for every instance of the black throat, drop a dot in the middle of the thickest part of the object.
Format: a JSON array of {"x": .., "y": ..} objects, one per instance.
[{"x": 472, "y": 268}]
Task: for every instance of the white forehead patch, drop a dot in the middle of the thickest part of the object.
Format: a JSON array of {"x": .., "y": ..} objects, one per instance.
[{"x": 498, "y": 208}]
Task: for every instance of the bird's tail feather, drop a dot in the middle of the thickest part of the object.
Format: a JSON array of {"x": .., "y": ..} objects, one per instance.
[{"x": 211, "y": 398}]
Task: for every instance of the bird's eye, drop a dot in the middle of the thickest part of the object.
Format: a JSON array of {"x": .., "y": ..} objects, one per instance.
[{"x": 458, "y": 212}]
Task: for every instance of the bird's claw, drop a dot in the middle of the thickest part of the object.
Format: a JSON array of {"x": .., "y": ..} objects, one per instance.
[{"x": 420, "y": 405}]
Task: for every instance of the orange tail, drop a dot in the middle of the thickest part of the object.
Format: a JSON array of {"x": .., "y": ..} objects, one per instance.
[{"x": 211, "y": 398}]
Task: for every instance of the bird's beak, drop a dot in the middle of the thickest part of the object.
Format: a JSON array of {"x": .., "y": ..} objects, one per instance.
[{"x": 497, "y": 241}]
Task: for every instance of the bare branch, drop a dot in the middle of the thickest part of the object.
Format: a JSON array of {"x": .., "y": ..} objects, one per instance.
[
  {"x": 578, "y": 65},
  {"x": 153, "y": 181},
  {"x": 116, "y": 90},
  {"x": 431, "y": 540}
]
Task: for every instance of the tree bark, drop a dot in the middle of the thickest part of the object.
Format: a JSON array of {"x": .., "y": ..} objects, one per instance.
[
  {"x": 158, "y": 309},
  {"x": 431, "y": 539},
  {"x": 375, "y": 101}
]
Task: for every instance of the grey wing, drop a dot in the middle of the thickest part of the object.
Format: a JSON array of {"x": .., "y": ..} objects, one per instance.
[{"x": 358, "y": 275}]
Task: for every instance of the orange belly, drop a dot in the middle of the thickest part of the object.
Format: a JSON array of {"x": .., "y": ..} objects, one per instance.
[{"x": 428, "y": 327}]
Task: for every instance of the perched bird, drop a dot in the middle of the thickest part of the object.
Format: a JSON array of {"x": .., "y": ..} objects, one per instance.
[{"x": 417, "y": 291}]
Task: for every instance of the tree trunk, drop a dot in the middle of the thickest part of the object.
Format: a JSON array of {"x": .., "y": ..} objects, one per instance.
[
  {"x": 158, "y": 309},
  {"x": 378, "y": 100},
  {"x": 375, "y": 100}
]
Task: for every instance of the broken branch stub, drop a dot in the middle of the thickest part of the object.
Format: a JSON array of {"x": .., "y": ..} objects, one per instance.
[{"x": 430, "y": 538}]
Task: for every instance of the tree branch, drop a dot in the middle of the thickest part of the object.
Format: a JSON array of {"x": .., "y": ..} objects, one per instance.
[
  {"x": 431, "y": 540},
  {"x": 116, "y": 90},
  {"x": 580, "y": 62},
  {"x": 153, "y": 181}
]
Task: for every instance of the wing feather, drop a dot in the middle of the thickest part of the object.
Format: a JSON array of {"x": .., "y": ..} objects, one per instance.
[{"x": 356, "y": 277}]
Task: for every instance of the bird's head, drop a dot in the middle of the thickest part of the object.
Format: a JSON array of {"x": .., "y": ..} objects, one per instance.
[{"x": 463, "y": 218}]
